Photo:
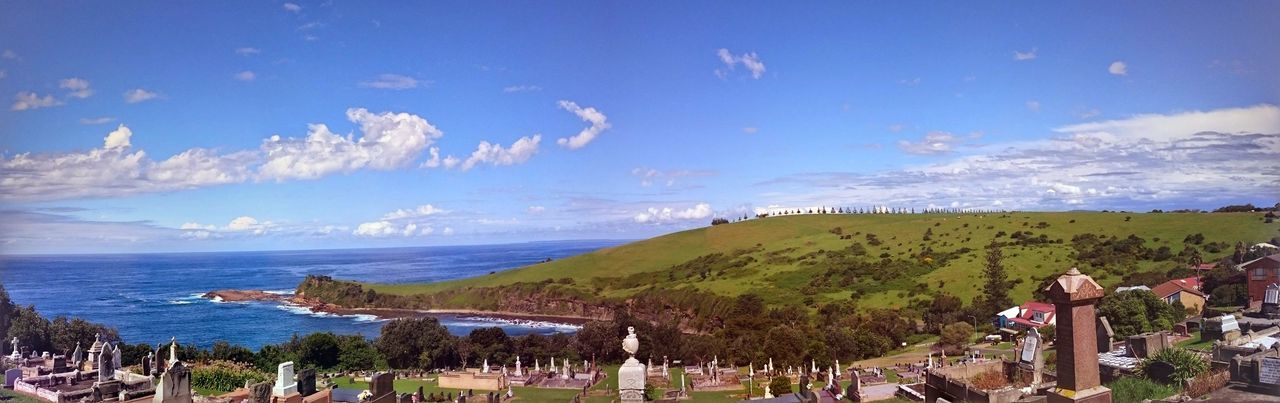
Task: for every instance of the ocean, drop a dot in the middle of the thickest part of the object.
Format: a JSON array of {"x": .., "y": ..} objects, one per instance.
[{"x": 152, "y": 297}]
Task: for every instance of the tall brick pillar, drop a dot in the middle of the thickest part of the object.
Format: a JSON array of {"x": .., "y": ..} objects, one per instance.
[{"x": 1074, "y": 296}]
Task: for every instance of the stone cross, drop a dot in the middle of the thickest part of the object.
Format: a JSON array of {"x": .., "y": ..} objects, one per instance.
[
  {"x": 837, "y": 369},
  {"x": 1074, "y": 296},
  {"x": 15, "y": 354}
]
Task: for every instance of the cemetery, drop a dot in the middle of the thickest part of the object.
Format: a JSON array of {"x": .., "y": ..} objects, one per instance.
[{"x": 98, "y": 376}]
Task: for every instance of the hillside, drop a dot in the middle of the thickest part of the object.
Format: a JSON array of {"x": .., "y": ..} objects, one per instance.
[{"x": 876, "y": 260}]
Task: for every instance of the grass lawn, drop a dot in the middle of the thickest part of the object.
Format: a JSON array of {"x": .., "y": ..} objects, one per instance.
[
  {"x": 15, "y": 397},
  {"x": 430, "y": 386},
  {"x": 1196, "y": 343},
  {"x": 1132, "y": 390},
  {"x": 771, "y": 246}
]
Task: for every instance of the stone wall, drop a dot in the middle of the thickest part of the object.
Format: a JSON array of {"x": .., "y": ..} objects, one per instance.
[{"x": 468, "y": 380}]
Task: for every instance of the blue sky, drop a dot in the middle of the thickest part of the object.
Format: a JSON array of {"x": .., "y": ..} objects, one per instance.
[{"x": 284, "y": 125}]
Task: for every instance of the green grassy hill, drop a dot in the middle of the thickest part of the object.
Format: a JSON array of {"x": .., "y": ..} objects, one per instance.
[{"x": 876, "y": 260}]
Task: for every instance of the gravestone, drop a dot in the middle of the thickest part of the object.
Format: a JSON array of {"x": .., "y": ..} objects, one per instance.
[
  {"x": 115, "y": 357},
  {"x": 1159, "y": 371},
  {"x": 77, "y": 357},
  {"x": 382, "y": 384},
  {"x": 11, "y": 376},
  {"x": 285, "y": 384},
  {"x": 631, "y": 376},
  {"x": 105, "y": 358},
  {"x": 1104, "y": 335},
  {"x": 174, "y": 385},
  {"x": 260, "y": 392},
  {"x": 146, "y": 365},
  {"x": 804, "y": 386},
  {"x": 307, "y": 382}
]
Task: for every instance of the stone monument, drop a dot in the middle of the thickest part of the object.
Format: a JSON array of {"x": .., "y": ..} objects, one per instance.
[
  {"x": 519, "y": 370},
  {"x": 632, "y": 373},
  {"x": 175, "y": 385},
  {"x": 285, "y": 384},
  {"x": 1074, "y": 296},
  {"x": 16, "y": 354},
  {"x": 105, "y": 371},
  {"x": 307, "y": 382}
]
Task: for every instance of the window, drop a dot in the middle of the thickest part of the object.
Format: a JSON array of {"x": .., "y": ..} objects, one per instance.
[
  {"x": 1259, "y": 273},
  {"x": 1037, "y": 317},
  {"x": 1175, "y": 297}
]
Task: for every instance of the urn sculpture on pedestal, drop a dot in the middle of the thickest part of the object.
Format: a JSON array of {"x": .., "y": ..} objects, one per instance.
[{"x": 631, "y": 375}]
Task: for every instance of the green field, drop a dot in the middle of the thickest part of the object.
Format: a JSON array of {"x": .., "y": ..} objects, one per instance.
[{"x": 782, "y": 258}]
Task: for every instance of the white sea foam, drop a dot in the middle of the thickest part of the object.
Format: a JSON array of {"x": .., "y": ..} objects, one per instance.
[
  {"x": 179, "y": 302},
  {"x": 279, "y": 292},
  {"x": 304, "y": 310},
  {"x": 484, "y": 321}
]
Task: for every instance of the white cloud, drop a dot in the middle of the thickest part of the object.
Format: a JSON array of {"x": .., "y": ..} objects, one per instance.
[
  {"x": 537, "y": 209},
  {"x": 245, "y": 76},
  {"x": 1118, "y": 68},
  {"x": 139, "y": 95},
  {"x": 3, "y": 74},
  {"x": 391, "y": 82},
  {"x": 649, "y": 176},
  {"x": 247, "y": 224},
  {"x": 97, "y": 120},
  {"x": 198, "y": 226},
  {"x": 667, "y": 214},
  {"x": 10, "y": 55},
  {"x": 118, "y": 138},
  {"x": 935, "y": 142},
  {"x": 79, "y": 87},
  {"x": 1175, "y": 160},
  {"x": 420, "y": 211},
  {"x": 750, "y": 130},
  {"x": 291, "y": 7},
  {"x": 495, "y": 154},
  {"x": 390, "y": 140},
  {"x": 247, "y": 51},
  {"x": 447, "y": 231},
  {"x": 30, "y": 100},
  {"x": 599, "y": 123},
  {"x": 750, "y": 61},
  {"x": 376, "y": 229},
  {"x": 1028, "y": 55},
  {"x": 897, "y": 127},
  {"x": 1033, "y": 105},
  {"x": 910, "y": 82},
  {"x": 521, "y": 88}
]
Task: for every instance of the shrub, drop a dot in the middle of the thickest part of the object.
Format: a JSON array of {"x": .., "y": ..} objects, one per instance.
[
  {"x": 225, "y": 376},
  {"x": 780, "y": 385},
  {"x": 1186, "y": 364}
]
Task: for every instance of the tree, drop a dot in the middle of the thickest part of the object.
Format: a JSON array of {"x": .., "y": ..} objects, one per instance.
[
  {"x": 416, "y": 343},
  {"x": 65, "y": 333},
  {"x": 785, "y": 344},
  {"x": 32, "y": 331},
  {"x": 357, "y": 354},
  {"x": 7, "y": 309},
  {"x": 944, "y": 308},
  {"x": 1138, "y": 311},
  {"x": 318, "y": 350},
  {"x": 490, "y": 343},
  {"x": 955, "y": 337},
  {"x": 995, "y": 289}
]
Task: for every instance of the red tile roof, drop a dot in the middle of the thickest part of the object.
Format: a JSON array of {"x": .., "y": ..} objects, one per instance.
[{"x": 1189, "y": 284}]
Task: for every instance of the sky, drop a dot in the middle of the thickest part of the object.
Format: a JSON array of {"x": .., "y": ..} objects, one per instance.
[{"x": 163, "y": 127}]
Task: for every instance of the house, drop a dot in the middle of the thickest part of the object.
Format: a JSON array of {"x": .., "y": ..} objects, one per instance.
[
  {"x": 1203, "y": 267},
  {"x": 1261, "y": 272},
  {"x": 1029, "y": 315},
  {"x": 1184, "y": 290}
]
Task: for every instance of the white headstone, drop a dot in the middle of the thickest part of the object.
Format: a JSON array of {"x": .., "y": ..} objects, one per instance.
[
  {"x": 631, "y": 376},
  {"x": 16, "y": 354},
  {"x": 1229, "y": 323},
  {"x": 285, "y": 385},
  {"x": 519, "y": 371},
  {"x": 115, "y": 357},
  {"x": 1030, "y": 345}
]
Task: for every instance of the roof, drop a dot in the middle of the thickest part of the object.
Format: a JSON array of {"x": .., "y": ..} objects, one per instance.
[
  {"x": 1189, "y": 284},
  {"x": 1133, "y": 288},
  {"x": 1204, "y": 266},
  {"x": 1028, "y": 310},
  {"x": 1271, "y": 260}
]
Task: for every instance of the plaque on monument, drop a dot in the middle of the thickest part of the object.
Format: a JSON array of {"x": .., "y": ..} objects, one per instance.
[
  {"x": 1269, "y": 371},
  {"x": 1029, "y": 346}
]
